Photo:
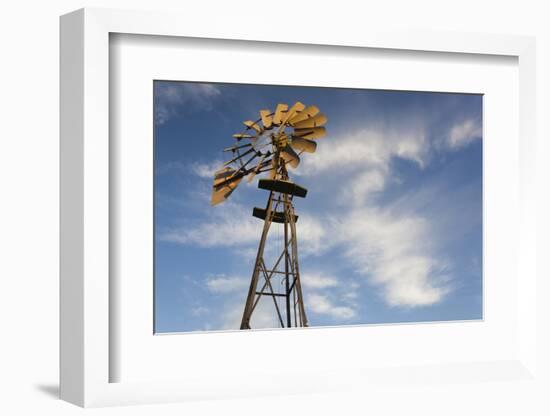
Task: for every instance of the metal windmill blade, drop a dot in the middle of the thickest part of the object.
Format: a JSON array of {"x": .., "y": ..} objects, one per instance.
[
  {"x": 240, "y": 136},
  {"x": 311, "y": 122},
  {"x": 295, "y": 109},
  {"x": 312, "y": 133},
  {"x": 308, "y": 112},
  {"x": 253, "y": 125},
  {"x": 280, "y": 112},
  {"x": 266, "y": 117},
  {"x": 225, "y": 182},
  {"x": 303, "y": 145},
  {"x": 290, "y": 156}
]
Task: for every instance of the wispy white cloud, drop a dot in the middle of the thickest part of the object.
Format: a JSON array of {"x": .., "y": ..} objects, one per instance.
[
  {"x": 321, "y": 291},
  {"x": 463, "y": 133},
  {"x": 206, "y": 170},
  {"x": 392, "y": 251},
  {"x": 228, "y": 227},
  {"x": 351, "y": 295},
  {"x": 264, "y": 315},
  {"x": 390, "y": 248},
  {"x": 318, "y": 281},
  {"x": 394, "y": 254},
  {"x": 322, "y": 305},
  {"x": 171, "y": 98},
  {"x": 199, "y": 310},
  {"x": 369, "y": 147},
  {"x": 313, "y": 239},
  {"x": 364, "y": 184},
  {"x": 226, "y": 284},
  {"x": 232, "y": 225}
]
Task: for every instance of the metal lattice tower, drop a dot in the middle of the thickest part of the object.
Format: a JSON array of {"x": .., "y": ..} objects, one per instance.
[
  {"x": 279, "y": 209},
  {"x": 278, "y": 139}
]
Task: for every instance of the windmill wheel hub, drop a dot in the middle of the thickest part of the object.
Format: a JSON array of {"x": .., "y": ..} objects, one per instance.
[{"x": 280, "y": 141}]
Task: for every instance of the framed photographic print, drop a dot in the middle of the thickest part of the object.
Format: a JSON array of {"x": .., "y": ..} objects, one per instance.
[
  {"x": 363, "y": 207},
  {"x": 286, "y": 213}
]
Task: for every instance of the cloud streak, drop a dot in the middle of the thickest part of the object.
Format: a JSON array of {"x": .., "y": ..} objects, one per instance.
[
  {"x": 206, "y": 170},
  {"x": 228, "y": 227},
  {"x": 463, "y": 133},
  {"x": 226, "y": 284},
  {"x": 322, "y": 305},
  {"x": 174, "y": 97},
  {"x": 394, "y": 254},
  {"x": 371, "y": 147},
  {"x": 318, "y": 281},
  {"x": 233, "y": 226}
]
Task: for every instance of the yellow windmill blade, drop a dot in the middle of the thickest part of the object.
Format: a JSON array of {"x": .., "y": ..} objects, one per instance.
[
  {"x": 313, "y": 133},
  {"x": 265, "y": 115},
  {"x": 252, "y": 125},
  {"x": 223, "y": 184},
  {"x": 290, "y": 156},
  {"x": 221, "y": 193},
  {"x": 303, "y": 145},
  {"x": 240, "y": 136},
  {"x": 315, "y": 121},
  {"x": 280, "y": 112},
  {"x": 222, "y": 174},
  {"x": 304, "y": 115},
  {"x": 296, "y": 108}
]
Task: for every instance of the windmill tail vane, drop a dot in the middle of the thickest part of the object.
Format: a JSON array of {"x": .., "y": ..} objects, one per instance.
[{"x": 272, "y": 144}]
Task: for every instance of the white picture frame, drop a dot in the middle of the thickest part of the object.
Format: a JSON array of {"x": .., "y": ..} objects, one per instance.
[{"x": 86, "y": 355}]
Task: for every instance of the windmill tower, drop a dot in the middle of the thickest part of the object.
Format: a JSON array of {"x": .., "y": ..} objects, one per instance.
[{"x": 272, "y": 144}]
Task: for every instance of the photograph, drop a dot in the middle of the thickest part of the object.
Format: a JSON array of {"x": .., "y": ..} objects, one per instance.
[{"x": 279, "y": 206}]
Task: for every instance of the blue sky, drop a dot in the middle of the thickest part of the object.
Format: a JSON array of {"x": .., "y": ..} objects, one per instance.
[{"x": 390, "y": 231}]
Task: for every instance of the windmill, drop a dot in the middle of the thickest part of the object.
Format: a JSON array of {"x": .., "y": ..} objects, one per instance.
[{"x": 272, "y": 144}]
